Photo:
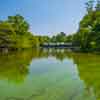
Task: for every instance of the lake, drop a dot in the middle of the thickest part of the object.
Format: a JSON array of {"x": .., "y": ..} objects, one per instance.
[{"x": 49, "y": 74}]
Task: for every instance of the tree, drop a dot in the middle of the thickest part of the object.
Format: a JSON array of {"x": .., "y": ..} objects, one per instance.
[
  {"x": 18, "y": 23},
  {"x": 89, "y": 6},
  {"x": 88, "y": 35},
  {"x": 98, "y": 5},
  {"x": 61, "y": 37},
  {"x": 69, "y": 38},
  {"x": 14, "y": 33}
]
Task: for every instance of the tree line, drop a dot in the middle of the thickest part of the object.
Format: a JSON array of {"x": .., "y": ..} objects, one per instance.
[
  {"x": 88, "y": 34},
  {"x": 14, "y": 32}
]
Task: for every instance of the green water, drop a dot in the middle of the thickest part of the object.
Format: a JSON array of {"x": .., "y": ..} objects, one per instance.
[{"x": 49, "y": 75}]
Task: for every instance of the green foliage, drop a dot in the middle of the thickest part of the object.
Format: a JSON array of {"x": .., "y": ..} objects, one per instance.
[
  {"x": 62, "y": 37},
  {"x": 89, "y": 70},
  {"x": 98, "y": 5},
  {"x": 88, "y": 35},
  {"x": 7, "y": 35},
  {"x": 14, "y": 33},
  {"x": 89, "y": 5},
  {"x": 43, "y": 39},
  {"x": 18, "y": 23}
]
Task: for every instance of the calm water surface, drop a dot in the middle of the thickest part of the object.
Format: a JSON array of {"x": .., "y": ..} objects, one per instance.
[{"x": 49, "y": 75}]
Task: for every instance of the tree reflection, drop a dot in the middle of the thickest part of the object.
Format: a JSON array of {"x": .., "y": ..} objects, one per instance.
[
  {"x": 59, "y": 54},
  {"x": 88, "y": 66},
  {"x": 14, "y": 66}
]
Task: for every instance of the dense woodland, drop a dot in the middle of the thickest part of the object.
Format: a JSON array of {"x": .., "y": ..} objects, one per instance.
[
  {"x": 15, "y": 34},
  {"x": 88, "y": 34}
]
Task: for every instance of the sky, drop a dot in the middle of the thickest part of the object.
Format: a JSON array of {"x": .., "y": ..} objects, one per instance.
[{"x": 46, "y": 17}]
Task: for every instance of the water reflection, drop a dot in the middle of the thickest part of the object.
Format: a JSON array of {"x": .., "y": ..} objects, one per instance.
[
  {"x": 58, "y": 73},
  {"x": 88, "y": 66},
  {"x": 59, "y": 54},
  {"x": 14, "y": 66}
]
